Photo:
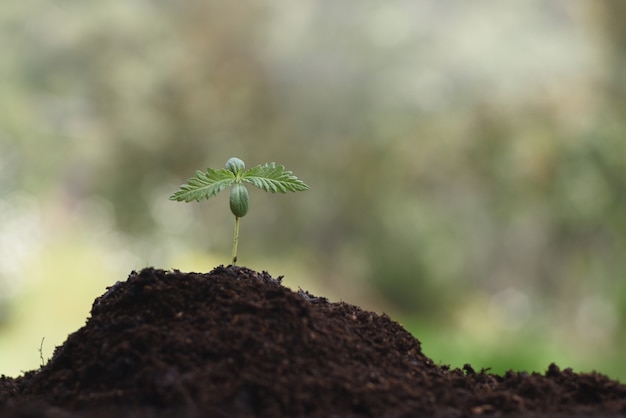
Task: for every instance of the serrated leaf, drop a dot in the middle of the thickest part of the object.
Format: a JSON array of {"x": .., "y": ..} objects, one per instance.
[
  {"x": 204, "y": 185},
  {"x": 273, "y": 178}
]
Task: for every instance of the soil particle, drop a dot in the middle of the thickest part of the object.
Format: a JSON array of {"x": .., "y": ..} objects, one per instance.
[{"x": 236, "y": 343}]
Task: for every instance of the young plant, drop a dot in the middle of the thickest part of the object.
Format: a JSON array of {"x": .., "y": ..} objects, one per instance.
[{"x": 269, "y": 177}]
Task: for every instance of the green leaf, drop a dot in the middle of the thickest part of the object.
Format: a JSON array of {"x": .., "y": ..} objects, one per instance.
[
  {"x": 204, "y": 185},
  {"x": 273, "y": 178}
]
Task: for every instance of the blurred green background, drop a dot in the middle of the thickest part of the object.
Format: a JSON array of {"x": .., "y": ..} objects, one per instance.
[{"x": 466, "y": 160}]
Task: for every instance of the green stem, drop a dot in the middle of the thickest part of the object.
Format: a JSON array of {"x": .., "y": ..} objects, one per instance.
[{"x": 235, "y": 240}]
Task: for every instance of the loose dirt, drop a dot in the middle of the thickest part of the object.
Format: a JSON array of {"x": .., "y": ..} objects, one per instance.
[{"x": 237, "y": 343}]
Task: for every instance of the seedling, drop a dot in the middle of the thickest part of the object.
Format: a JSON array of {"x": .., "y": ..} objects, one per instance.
[{"x": 269, "y": 177}]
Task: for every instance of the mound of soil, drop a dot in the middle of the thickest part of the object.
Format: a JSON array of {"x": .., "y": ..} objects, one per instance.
[{"x": 236, "y": 343}]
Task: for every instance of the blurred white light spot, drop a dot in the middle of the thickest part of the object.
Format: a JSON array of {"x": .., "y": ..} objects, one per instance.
[
  {"x": 20, "y": 236},
  {"x": 509, "y": 309}
]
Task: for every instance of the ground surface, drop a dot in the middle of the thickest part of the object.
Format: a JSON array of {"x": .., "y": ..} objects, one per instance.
[{"x": 236, "y": 343}]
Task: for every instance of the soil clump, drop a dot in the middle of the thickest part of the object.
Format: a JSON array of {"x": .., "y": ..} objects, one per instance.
[{"x": 237, "y": 343}]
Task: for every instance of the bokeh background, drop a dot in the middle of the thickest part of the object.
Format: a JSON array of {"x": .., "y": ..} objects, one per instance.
[{"x": 467, "y": 163}]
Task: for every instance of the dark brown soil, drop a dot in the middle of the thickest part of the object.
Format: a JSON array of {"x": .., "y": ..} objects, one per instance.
[{"x": 236, "y": 343}]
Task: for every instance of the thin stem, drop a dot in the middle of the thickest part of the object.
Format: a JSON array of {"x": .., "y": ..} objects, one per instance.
[{"x": 235, "y": 240}]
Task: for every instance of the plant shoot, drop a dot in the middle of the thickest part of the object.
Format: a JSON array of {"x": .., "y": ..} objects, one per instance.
[{"x": 269, "y": 177}]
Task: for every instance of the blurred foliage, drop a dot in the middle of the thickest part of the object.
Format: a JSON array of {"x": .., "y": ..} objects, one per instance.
[{"x": 462, "y": 158}]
